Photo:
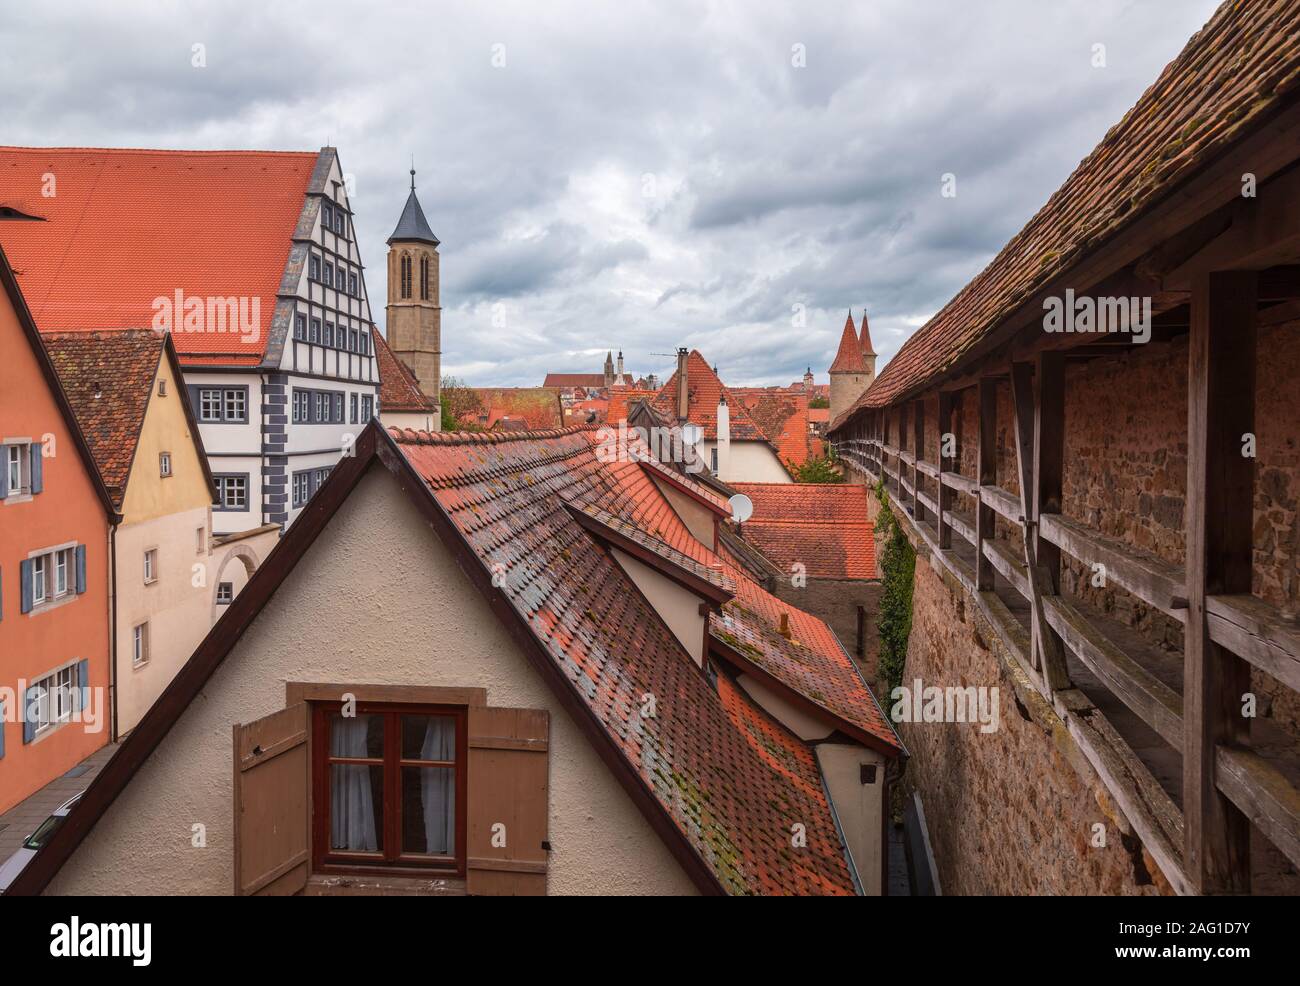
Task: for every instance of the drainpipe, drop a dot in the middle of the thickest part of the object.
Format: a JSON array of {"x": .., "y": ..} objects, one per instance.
[
  {"x": 724, "y": 439},
  {"x": 112, "y": 639}
]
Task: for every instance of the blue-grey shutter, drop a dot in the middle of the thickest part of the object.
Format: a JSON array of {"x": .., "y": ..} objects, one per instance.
[
  {"x": 25, "y": 578},
  {"x": 29, "y": 723},
  {"x": 81, "y": 569},
  {"x": 4, "y": 471},
  {"x": 37, "y": 478},
  {"x": 83, "y": 681}
]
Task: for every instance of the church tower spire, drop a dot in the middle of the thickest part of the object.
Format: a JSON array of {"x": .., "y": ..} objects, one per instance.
[{"x": 414, "y": 311}]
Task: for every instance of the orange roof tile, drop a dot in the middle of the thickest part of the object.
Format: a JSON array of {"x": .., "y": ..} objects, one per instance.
[
  {"x": 849, "y": 357},
  {"x": 108, "y": 377},
  {"x": 703, "y": 392},
  {"x": 126, "y": 227},
  {"x": 783, "y": 419},
  {"x": 729, "y": 776},
  {"x": 530, "y": 408},
  {"x": 399, "y": 390},
  {"x": 824, "y": 526}
]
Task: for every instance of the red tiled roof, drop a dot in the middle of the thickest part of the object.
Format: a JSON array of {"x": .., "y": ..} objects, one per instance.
[
  {"x": 703, "y": 390},
  {"x": 596, "y": 380},
  {"x": 824, "y": 526},
  {"x": 849, "y": 357},
  {"x": 126, "y": 227},
  {"x": 530, "y": 408},
  {"x": 819, "y": 414},
  {"x": 1233, "y": 74},
  {"x": 782, "y": 417},
  {"x": 108, "y": 377},
  {"x": 398, "y": 388},
  {"x": 865, "y": 338},
  {"x": 730, "y": 778},
  {"x": 622, "y": 398}
]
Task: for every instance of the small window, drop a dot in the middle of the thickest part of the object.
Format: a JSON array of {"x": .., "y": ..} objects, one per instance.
[
  {"x": 313, "y": 268},
  {"x": 354, "y": 341},
  {"x": 140, "y": 645},
  {"x": 352, "y": 285},
  {"x": 352, "y": 409},
  {"x": 232, "y": 492},
  {"x": 390, "y": 786},
  {"x": 340, "y": 221},
  {"x": 151, "y": 566},
  {"x": 209, "y": 405},
  {"x": 424, "y": 278},
  {"x": 713, "y": 458},
  {"x": 365, "y": 343},
  {"x": 164, "y": 464},
  {"x": 406, "y": 275},
  {"x": 301, "y": 488},
  {"x": 200, "y": 540},
  {"x": 300, "y": 327},
  {"x": 225, "y": 593},
  {"x": 329, "y": 274},
  {"x": 327, "y": 213},
  {"x": 162, "y": 388},
  {"x": 328, "y": 338},
  {"x": 367, "y": 408},
  {"x": 53, "y": 698},
  {"x": 315, "y": 330},
  {"x": 338, "y": 409},
  {"x": 40, "y": 579},
  {"x": 235, "y": 404},
  {"x": 17, "y": 469}
]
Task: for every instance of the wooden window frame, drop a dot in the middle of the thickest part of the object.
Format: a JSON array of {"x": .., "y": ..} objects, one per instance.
[{"x": 393, "y": 861}]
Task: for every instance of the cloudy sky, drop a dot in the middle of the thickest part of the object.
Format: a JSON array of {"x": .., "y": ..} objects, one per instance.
[{"x": 630, "y": 175}]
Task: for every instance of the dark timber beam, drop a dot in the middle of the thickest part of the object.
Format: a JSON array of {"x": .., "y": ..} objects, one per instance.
[
  {"x": 986, "y": 475},
  {"x": 918, "y": 453},
  {"x": 1049, "y": 656},
  {"x": 946, "y": 464},
  {"x": 1220, "y": 514}
]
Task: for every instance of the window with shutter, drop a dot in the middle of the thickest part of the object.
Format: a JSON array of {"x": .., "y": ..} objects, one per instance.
[
  {"x": 270, "y": 802},
  {"x": 508, "y": 816}
]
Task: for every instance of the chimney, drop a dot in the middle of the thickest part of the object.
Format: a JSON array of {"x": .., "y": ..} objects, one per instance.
[
  {"x": 683, "y": 386},
  {"x": 784, "y": 628},
  {"x": 724, "y": 438}
]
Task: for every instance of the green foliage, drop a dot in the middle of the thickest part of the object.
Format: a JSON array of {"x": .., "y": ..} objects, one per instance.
[
  {"x": 459, "y": 403},
  {"x": 817, "y": 471},
  {"x": 898, "y": 568},
  {"x": 819, "y": 402}
]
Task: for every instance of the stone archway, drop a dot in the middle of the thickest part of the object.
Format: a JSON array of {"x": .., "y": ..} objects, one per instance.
[{"x": 237, "y": 574}]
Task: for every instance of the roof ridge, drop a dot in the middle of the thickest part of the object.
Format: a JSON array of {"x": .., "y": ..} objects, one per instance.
[
  {"x": 413, "y": 436},
  {"x": 158, "y": 150}
]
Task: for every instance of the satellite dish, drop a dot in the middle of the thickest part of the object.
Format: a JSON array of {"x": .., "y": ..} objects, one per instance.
[
  {"x": 742, "y": 508},
  {"x": 691, "y": 434}
]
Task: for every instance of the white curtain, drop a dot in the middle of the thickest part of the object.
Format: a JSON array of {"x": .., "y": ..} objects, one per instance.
[
  {"x": 437, "y": 786},
  {"x": 352, "y": 808}
]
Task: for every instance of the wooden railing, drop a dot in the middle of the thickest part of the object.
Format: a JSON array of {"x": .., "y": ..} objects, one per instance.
[{"x": 1239, "y": 623}]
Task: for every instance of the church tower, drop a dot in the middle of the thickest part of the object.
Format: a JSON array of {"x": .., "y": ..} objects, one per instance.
[
  {"x": 414, "y": 310},
  {"x": 849, "y": 373},
  {"x": 609, "y": 369},
  {"x": 868, "y": 351}
]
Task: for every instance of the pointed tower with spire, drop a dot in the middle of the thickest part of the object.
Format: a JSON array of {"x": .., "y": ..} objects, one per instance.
[
  {"x": 414, "y": 312},
  {"x": 609, "y": 368},
  {"x": 849, "y": 373},
  {"x": 868, "y": 352}
]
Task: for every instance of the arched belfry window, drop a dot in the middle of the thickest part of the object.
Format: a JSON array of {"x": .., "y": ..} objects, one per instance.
[
  {"x": 406, "y": 275},
  {"x": 424, "y": 278}
]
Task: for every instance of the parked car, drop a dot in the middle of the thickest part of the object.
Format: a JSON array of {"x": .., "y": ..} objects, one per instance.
[{"x": 15, "y": 863}]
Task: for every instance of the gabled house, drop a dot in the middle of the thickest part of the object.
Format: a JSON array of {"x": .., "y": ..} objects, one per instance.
[
  {"x": 548, "y": 680},
  {"x": 730, "y": 440},
  {"x": 127, "y": 390},
  {"x": 402, "y": 404},
  {"x": 250, "y": 260},
  {"x": 55, "y": 522}
]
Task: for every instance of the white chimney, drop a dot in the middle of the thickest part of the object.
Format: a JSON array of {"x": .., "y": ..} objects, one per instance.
[{"x": 724, "y": 439}]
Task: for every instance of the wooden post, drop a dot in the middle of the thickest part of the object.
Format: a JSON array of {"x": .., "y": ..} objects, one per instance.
[
  {"x": 1048, "y": 656},
  {"x": 918, "y": 431},
  {"x": 1220, "y": 515},
  {"x": 945, "y": 465},
  {"x": 1049, "y": 453},
  {"x": 986, "y": 474}
]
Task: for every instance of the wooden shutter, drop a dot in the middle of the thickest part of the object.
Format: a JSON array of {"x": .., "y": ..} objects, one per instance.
[
  {"x": 4, "y": 471},
  {"x": 29, "y": 720},
  {"x": 25, "y": 585},
  {"x": 272, "y": 852},
  {"x": 37, "y": 467},
  {"x": 81, "y": 568},
  {"x": 508, "y": 781}
]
